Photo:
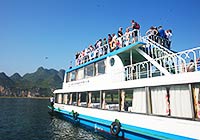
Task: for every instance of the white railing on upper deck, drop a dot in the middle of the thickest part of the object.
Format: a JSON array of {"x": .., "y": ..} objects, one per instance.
[
  {"x": 154, "y": 49},
  {"x": 191, "y": 54},
  {"x": 174, "y": 63},
  {"x": 104, "y": 49}
]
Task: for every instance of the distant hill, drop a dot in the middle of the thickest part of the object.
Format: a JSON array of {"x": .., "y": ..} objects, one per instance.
[
  {"x": 40, "y": 83},
  {"x": 5, "y": 81}
]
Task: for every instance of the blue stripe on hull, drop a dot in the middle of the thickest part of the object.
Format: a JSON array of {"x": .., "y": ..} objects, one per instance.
[{"x": 127, "y": 131}]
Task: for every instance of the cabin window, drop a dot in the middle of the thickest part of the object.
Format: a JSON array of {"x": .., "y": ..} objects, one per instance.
[
  {"x": 89, "y": 71},
  {"x": 65, "y": 98},
  {"x": 139, "y": 103},
  {"x": 112, "y": 61},
  {"x": 126, "y": 99},
  {"x": 173, "y": 101},
  {"x": 82, "y": 99},
  {"x": 80, "y": 74},
  {"x": 74, "y": 98},
  {"x": 100, "y": 67},
  {"x": 59, "y": 98},
  {"x": 110, "y": 100},
  {"x": 70, "y": 98},
  {"x": 71, "y": 76},
  {"x": 159, "y": 101},
  {"x": 180, "y": 101},
  {"x": 94, "y": 99},
  {"x": 68, "y": 77}
]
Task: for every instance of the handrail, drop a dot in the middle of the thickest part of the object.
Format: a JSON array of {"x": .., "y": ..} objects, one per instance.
[
  {"x": 146, "y": 70},
  {"x": 174, "y": 63},
  {"x": 157, "y": 51},
  {"x": 104, "y": 49},
  {"x": 146, "y": 39},
  {"x": 191, "y": 54}
]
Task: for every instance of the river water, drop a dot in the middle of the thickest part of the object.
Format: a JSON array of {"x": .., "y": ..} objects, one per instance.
[{"x": 28, "y": 119}]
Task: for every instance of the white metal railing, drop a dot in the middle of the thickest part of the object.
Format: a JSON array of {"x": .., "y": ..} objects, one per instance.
[
  {"x": 154, "y": 49},
  {"x": 173, "y": 62},
  {"x": 191, "y": 55},
  {"x": 170, "y": 62},
  {"x": 104, "y": 49}
]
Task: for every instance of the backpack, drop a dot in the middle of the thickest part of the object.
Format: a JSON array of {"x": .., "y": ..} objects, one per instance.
[{"x": 137, "y": 26}]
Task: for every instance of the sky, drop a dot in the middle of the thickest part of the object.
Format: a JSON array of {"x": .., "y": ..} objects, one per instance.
[{"x": 48, "y": 33}]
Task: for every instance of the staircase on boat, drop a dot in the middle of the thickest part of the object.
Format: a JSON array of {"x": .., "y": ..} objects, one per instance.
[{"x": 161, "y": 61}]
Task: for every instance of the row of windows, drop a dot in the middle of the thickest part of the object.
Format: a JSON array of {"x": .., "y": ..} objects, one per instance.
[
  {"x": 175, "y": 101},
  {"x": 91, "y": 70}
]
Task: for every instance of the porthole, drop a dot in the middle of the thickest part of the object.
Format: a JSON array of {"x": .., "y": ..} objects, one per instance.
[{"x": 112, "y": 61}]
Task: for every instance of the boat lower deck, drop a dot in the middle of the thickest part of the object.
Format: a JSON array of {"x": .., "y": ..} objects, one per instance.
[
  {"x": 102, "y": 123},
  {"x": 161, "y": 112}
]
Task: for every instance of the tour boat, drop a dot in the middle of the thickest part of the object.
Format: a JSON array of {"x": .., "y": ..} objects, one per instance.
[{"x": 142, "y": 90}]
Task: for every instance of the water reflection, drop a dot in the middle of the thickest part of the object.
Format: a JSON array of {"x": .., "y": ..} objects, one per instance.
[
  {"x": 28, "y": 119},
  {"x": 64, "y": 130}
]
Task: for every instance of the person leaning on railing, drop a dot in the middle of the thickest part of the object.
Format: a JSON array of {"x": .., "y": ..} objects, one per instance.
[{"x": 152, "y": 33}]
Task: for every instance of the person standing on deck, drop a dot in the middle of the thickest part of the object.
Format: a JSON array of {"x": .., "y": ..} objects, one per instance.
[
  {"x": 120, "y": 35},
  {"x": 162, "y": 36},
  {"x": 168, "y": 34},
  {"x": 135, "y": 29}
]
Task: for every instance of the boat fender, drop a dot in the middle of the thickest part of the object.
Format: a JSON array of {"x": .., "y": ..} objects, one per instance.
[{"x": 115, "y": 128}]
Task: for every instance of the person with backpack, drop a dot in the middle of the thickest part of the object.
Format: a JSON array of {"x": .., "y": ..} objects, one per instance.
[{"x": 135, "y": 29}]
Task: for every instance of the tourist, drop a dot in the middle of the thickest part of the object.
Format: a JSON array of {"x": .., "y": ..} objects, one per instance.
[
  {"x": 105, "y": 45},
  {"x": 120, "y": 35},
  {"x": 98, "y": 48},
  {"x": 110, "y": 40},
  {"x": 161, "y": 35},
  {"x": 152, "y": 33},
  {"x": 168, "y": 34},
  {"x": 135, "y": 27},
  {"x": 113, "y": 42},
  {"x": 82, "y": 55},
  {"x": 77, "y": 58},
  {"x": 104, "y": 42},
  {"x": 99, "y": 43},
  {"x": 92, "y": 53},
  {"x": 127, "y": 37},
  {"x": 191, "y": 66},
  {"x": 118, "y": 45},
  {"x": 149, "y": 32}
]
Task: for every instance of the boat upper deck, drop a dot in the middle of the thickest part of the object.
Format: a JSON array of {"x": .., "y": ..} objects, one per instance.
[
  {"x": 132, "y": 47},
  {"x": 144, "y": 58}
]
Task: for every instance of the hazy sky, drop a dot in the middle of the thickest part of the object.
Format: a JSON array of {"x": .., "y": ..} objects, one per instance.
[{"x": 48, "y": 33}]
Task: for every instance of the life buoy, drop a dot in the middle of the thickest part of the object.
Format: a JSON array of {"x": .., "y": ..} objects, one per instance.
[{"x": 115, "y": 128}]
